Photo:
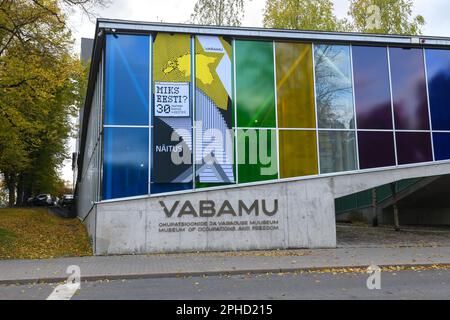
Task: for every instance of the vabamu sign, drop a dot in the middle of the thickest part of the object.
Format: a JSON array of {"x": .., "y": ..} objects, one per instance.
[{"x": 247, "y": 218}]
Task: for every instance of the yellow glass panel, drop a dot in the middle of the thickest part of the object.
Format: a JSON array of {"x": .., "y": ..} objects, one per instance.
[
  {"x": 298, "y": 153},
  {"x": 295, "y": 86}
]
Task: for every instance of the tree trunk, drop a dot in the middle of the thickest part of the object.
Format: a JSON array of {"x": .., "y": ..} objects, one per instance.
[
  {"x": 20, "y": 191},
  {"x": 395, "y": 207},
  {"x": 374, "y": 208},
  {"x": 11, "y": 185}
]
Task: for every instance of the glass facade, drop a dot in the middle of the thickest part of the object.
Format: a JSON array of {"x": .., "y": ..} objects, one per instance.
[
  {"x": 171, "y": 166},
  {"x": 372, "y": 89},
  {"x": 214, "y": 111},
  {"x": 438, "y": 72},
  {"x": 298, "y": 153},
  {"x": 383, "y": 155},
  {"x": 257, "y": 155},
  {"x": 441, "y": 145},
  {"x": 125, "y": 162},
  {"x": 337, "y": 151},
  {"x": 334, "y": 94},
  {"x": 409, "y": 90},
  {"x": 127, "y": 76},
  {"x": 413, "y": 147},
  {"x": 295, "y": 85},
  {"x": 180, "y": 112},
  {"x": 125, "y": 147},
  {"x": 255, "y": 84}
]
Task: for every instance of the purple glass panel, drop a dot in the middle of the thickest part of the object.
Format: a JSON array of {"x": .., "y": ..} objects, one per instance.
[
  {"x": 409, "y": 90},
  {"x": 376, "y": 149},
  {"x": 372, "y": 92},
  {"x": 413, "y": 147}
]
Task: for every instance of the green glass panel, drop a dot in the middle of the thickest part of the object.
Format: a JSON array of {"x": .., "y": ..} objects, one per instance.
[
  {"x": 298, "y": 153},
  {"x": 257, "y": 155},
  {"x": 295, "y": 85},
  {"x": 255, "y": 84}
]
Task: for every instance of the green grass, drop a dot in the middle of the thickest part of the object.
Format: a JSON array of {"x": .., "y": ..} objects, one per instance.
[
  {"x": 6, "y": 237},
  {"x": 34, "y": 233}
]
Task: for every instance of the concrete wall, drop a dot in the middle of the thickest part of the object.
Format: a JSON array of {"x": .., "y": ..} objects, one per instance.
[
  {"x": 90, "y": 223},
  {"x": 305, "y": 217}
]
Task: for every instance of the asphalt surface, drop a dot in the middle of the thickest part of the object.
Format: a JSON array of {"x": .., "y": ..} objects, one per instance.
[{"x": 425, "y": 284}]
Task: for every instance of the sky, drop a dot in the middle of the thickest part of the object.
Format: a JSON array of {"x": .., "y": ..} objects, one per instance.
[{"x": 435, "y": 13}]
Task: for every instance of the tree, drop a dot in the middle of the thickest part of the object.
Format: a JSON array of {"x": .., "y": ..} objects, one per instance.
[
  {"x": 3, "y": 194},
  {"x": 41, "y": 85},
  {"x": 370, "y": 16},
  {"x": 385, "y": 17},
  {"x": 218, "y": 12},
  {"x": 302, "y": 15}
]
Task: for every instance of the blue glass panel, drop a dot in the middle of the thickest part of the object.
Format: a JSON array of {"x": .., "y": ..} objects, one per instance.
[
  {"x": 441, "y": 146},
  {"x": 438, "y": 71},
  {"x": 127, "y": 80},
  {"x": 169, "y": 187},
  {"x": 372, "y": 91},
  {"x": 409, "y": 89},
  {"x": 125, "y": 162}
]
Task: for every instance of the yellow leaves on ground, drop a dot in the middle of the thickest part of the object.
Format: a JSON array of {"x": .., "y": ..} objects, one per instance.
[{"x": 38, "y": 234}]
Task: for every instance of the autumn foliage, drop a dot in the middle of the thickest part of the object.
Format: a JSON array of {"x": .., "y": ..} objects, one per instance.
[
  {"x": 38, "y": 234},
  {"x": 42, "y": 84}
]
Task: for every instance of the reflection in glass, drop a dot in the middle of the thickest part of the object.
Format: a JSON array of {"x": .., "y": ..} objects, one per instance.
[
  {"x": 298, "y": 153},
  {"x": 441, "y": 145},
  {"x": 125, "y": 162},
  {"x": 383, "y": 155},
  {"x": 334, "y": 94},
  {"x": 372, "y": 90},
  {"x": 127, "y": 79},
  {"x": 409, "y": 89},
  {"x": 295, "y": 85},
  {"x": 413, "y": 147},
  {"x": 255, "y": 84},
  {"x": 438, "y": 71},
  {"x": 337, "y": 151}
]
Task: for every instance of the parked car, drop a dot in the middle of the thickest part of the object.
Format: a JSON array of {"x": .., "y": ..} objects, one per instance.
[
  {"x": 66, "y": 200},
  {"x": 30, "y": 201},
  {"x": 44, "y": 200}
]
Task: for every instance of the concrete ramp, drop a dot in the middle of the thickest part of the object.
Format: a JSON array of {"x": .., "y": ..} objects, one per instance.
[{"x": 281, "y": 215}]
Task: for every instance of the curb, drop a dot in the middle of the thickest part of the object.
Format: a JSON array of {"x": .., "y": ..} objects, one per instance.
[{"x": 91, "y": 278}]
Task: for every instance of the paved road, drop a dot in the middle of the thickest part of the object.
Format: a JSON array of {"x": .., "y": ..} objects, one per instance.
[{"x": 429, "y": 284}]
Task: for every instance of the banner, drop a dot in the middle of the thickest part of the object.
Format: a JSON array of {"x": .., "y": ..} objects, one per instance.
[
  {"x": 172, "y": 119},
  {"x": 172, "y": 99},
  {"x": 214, "y": 112}
]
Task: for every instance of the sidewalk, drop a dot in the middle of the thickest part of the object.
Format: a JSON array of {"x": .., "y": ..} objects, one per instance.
[{"x": 190, "y": 264}]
